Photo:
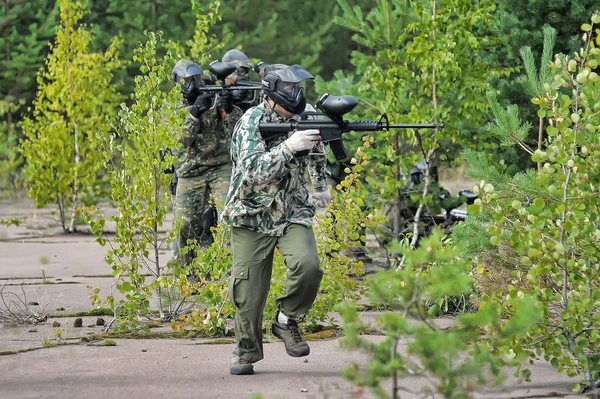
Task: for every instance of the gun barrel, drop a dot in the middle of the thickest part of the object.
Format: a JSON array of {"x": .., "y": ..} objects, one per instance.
[
  {"x": 219, "y": 89},
  {"x": 416, "y": 126}
]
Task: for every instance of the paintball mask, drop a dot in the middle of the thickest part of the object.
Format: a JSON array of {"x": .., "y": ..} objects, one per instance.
[
  {"x": 241, "y": 61},
  {"x": 243, "y": 70},
  {"x": 241, "y": 75},
  {"x": 417, "y": 173},
  {"x": 286, "y": 87},
  {"x": 188, "y": 75}
]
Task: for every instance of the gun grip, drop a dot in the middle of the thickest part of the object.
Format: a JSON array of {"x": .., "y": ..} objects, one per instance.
[{"x": 337, "y": 147}]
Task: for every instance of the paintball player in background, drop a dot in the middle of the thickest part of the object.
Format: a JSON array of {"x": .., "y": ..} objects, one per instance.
[
  {"x": 243, "y": 99},
  {"x": 203, "y": 166},
  {"x": 436, "y": 213},
  {"x": 269, "y": 206},
  {"x": 442, "y": 199}
]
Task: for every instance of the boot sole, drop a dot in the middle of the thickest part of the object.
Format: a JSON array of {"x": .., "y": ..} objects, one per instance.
[{"x": 242, "y": 371}]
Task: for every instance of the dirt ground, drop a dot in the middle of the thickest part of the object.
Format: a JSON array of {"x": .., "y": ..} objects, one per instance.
[{"x": 51, "y": 272}]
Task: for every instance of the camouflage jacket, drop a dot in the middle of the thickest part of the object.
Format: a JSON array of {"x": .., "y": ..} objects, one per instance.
[
  {"x": 205, "y": 143},
  {"x": 268, "y": 184}
]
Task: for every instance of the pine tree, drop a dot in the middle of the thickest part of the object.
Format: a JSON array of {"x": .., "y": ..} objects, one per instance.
[
  {"x": 76, "y": 96},
  {"x": 544, "y": 223},
  {"x": 10, "y": 158},
  {"x": 417, "y": 52},
  {"x": 295, "y": 32},
  {"x": 521, "y": 22},
  {"x": 130, "y": 19},
  {"x": 26, "y": 27}
]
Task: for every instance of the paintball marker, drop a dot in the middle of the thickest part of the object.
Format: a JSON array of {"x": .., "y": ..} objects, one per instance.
[
  {"x": 333, "y": 126},
  {"x": 223, "y": 69}
]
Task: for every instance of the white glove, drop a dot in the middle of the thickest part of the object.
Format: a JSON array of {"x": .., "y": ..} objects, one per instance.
[
  {"x": 302, "y": 140},
  {"x": 321, "y": 199}
]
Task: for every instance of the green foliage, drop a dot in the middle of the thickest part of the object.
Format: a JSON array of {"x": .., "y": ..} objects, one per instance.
[
  {"x": 295, "y": 32},
  {"x": 76, "y": 96},
  {"x": 342, "y": 226},
  {"x": 136, "y": 160},
  {"x": 204, "y": 43},
  {"x": 417, "y": 51},
  {"x": 507, "y": 120},
  {"x": 212, "y": 265},
  {"x": 26, "y": 27},
  {"x": 456, "y": 359},
  {"x": 517, "y": 25},
  {"x": 550, "y": 219},
  {"x": 130, "y": 19}
]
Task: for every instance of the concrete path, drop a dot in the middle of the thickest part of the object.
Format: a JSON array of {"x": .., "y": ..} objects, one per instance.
[
  {"x": 185, "y": 368},
  {"x": 54, "y": 270}
]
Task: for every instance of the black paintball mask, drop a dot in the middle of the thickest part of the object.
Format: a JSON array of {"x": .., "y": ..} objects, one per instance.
[
  {"x": 417, "y": 173},
  {"x": 188, "y": 75},
  {"x": 286, "y": 87}
]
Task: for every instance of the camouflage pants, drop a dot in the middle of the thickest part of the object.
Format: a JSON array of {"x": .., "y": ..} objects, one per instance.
[
  {"x": 191, "y": 201},
  {"x": 219, "y": 186},
  {"x": 192, "y": 198},
  {"x": 251, "y": 278}
]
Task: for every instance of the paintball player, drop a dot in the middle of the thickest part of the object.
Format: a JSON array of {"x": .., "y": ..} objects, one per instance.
[
  {"x": 442, "y": 199},
  {"x": 269, "y": 206},
  {"x": 243, "y": 99},
  {"x": 437, "y": 212},
  {"x": 203, "y": 166}
]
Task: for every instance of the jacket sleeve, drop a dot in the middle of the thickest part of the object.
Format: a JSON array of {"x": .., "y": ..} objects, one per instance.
[
  {"x": 259, "y": 165},
  {"x": 190, "y": 131}
]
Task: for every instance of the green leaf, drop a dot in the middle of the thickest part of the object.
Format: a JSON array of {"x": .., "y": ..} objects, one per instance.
[
  {"x": 474, "y": 209},
  {"x": 552, "y": 131}
]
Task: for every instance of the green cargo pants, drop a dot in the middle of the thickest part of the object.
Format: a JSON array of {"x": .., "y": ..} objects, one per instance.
[{"x": 251, "y": 278}]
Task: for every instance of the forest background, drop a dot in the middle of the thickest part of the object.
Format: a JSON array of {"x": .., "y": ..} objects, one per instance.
[{"x": 289, "y": 31}]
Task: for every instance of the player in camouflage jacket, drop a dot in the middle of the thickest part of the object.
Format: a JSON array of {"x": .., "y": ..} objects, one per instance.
[{"x": 268, "y": 207}]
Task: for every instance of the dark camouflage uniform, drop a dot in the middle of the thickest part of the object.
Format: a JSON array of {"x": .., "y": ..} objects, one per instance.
[
  {"x": 203, "y": 170},
  {"x": 268, "y": 207}
]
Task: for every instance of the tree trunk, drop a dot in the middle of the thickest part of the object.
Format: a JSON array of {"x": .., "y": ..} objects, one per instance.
[
  {"x": 540, "y": 139},
  {"x": 155, "y": 238},
  {"x": 73, "y": 225}
]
